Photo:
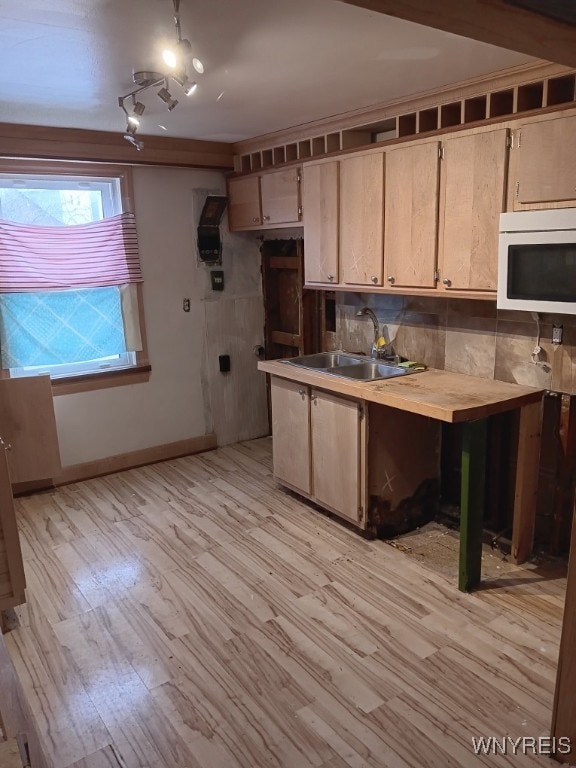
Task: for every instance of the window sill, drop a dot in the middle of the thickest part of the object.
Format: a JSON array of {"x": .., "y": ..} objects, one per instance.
[{"x": 85, "y": 382}]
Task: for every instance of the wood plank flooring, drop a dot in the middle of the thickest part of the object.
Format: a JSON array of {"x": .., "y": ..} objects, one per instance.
[{"x": 192, "y": 614}]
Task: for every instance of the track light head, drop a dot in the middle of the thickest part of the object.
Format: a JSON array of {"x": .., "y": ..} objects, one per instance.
[
  {"x": 133, "y": 120},
  {"x": 198, "y": 66},
  {"x": 138, "y": 108},
  {"x": 166, "y": 97},
  {"x": 134, "y": 141},
  {"x": 183, "y": 80}
]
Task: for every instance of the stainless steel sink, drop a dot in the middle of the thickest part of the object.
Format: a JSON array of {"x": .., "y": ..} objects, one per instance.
[
  {"x": 325, "y": 360},
  {"x": 349, "y": 366},
  {"x": 369, "y": 371}
]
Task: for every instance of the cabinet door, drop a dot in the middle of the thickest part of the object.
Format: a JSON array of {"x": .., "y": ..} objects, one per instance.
[
  {"x": 545, "y": 162},
  {"x": 361, "y": 219},
  {"x": 473, "y": 196},
  {"x": 320, "y": 212},
  {"x": 337, "y": 454},
  {"x": 291, "y": 433},
  {"x": 12, "y": 581},
  {"x": 411, "y": 216},
  {"x": 244, "y": 203},
  {"x": 280, "y": 196}
]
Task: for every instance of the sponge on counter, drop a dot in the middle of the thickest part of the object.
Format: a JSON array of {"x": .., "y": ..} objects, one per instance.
[{"x": 412, "y": 365}]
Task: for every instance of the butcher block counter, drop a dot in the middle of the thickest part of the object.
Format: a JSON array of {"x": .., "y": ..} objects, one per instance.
[{"x": 368, "y": 451}]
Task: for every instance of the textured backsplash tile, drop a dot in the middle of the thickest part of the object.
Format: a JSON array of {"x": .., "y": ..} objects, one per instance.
[{"x": 463, "y": 335}]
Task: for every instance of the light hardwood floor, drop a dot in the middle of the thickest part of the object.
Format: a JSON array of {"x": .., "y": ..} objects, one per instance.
[{"x": 192, "y": 614}]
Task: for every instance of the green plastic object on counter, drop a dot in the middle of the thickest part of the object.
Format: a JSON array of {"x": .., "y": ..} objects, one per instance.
[{"x": 414, "y": 366}]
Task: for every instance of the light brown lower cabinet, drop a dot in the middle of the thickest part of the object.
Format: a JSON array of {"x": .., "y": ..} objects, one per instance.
[
  {"x": 291, "y": 430},
  {"x": 367, "y": 463}
]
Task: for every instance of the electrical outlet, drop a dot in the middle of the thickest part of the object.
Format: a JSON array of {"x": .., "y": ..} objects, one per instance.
[{"x": 557, "y": 331}]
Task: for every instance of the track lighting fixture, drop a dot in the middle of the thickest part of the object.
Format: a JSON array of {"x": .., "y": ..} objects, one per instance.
[{"x": 174, "y": 57}]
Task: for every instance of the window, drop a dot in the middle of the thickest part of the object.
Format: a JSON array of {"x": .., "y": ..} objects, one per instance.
[{"x": 75, "y": 331}]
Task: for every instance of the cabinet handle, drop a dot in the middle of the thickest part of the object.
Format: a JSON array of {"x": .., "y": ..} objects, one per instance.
[
  {"x": 301, "y": 392},
  {"x": 256, "y": 219},
  {"x": 265, "y": 218},
  {"x": 447, "y": 282},
  {"x": 374, "y": 279},
  {"x": 313, "y": 398},
  {"x": 330, "y": 277},
  {"x": 391, "y": 279}
]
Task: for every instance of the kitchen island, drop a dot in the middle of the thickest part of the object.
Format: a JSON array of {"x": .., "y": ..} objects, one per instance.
[{"x": 370, "y": 451}]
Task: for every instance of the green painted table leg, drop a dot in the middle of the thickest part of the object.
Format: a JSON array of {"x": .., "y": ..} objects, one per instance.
[{"x": 472, "y": 503}]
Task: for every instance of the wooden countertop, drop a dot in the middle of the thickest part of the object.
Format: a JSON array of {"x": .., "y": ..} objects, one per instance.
[{"x": 451, "y": 397}]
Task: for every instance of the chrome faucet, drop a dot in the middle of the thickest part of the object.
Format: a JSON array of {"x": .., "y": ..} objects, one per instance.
[{"x": 375, "y": 351}]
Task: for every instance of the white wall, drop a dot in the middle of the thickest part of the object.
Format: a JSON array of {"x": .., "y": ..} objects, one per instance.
[{"x": 186, "y": 396}]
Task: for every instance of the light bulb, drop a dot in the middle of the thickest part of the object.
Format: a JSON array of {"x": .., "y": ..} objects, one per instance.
[
  {"x": 198, "y": 66},
  {"x": 133, "y": 120},
  {"x": 190, "y": 88},
  {"x": 169, "y": 58}
]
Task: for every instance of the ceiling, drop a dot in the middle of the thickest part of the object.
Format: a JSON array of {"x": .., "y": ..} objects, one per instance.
[{"x": 269, "y": 64}]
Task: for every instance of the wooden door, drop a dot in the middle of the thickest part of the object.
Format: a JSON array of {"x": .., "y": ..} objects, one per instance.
[
  {"x": 291, "y": 433},
  {"x": 281, "y": 196},
  {"x": 12, "y": 581},
  {"x": 411, "y": 216},
  {"x": 337, "y": 454},
  {"x": 545, "y": 163},
  {"x": 473, "y": 191},
  {"x": 361, "y": 219},
  {"x": 320, "y": 213},
  {"x": 292, "y": 313},
  {"x": 244, "y": 203}
]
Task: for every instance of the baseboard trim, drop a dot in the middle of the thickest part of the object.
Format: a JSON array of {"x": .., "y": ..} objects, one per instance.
[{"x": 121, "y": 462}]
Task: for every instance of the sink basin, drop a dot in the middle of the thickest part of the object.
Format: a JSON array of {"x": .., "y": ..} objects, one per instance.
[
  {"x": 369, "y": 371},
  {"x": 325, "y": 360},
  {"x": 349, "y": 366}
]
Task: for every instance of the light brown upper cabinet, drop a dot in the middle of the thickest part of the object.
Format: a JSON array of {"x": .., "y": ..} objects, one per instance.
[
  {"x": 473, "y": 190},
  {"x": 320, "y": 211},
  {"x": 543, "y": 163},
  {"x": 264, "y": 200},
  {"x": 280, "y": 192},
  {"x": 411, "y": 216},
  {"x": 361, "y": 219},
  {"x": 244, "y": 210}
]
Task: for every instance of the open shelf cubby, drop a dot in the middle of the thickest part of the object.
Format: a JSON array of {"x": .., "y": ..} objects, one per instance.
[
  {"x": 407, "y": 125},
  {"x": 475, "y": 109},
  {"x": 529, "y": 97},
  {"x": 256, "y": 161},
  {"x": 304, "y": 149},
  {"x": 267, "y": 158},
  {"x": 501, "y": 103},
  {"x": 291, "y": 152},
  {"x": 428, "y": 120},
  {"x": 560, "y": 90},
  {"x": 279, "y": 155},
  {"x": 333, "y": 142},
  {"x": 318, "y": 146},
  {"x": 450, "y": 114}
]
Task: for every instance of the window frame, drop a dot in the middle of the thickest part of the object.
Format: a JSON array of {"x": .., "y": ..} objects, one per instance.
[{"x": 77, "y": 381}]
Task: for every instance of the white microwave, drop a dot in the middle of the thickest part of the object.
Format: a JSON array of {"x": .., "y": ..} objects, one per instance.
[{"x": 537, "y": 261}]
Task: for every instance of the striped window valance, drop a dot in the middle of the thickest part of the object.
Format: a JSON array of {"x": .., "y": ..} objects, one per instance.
[{"x": 102, "y": 253}]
